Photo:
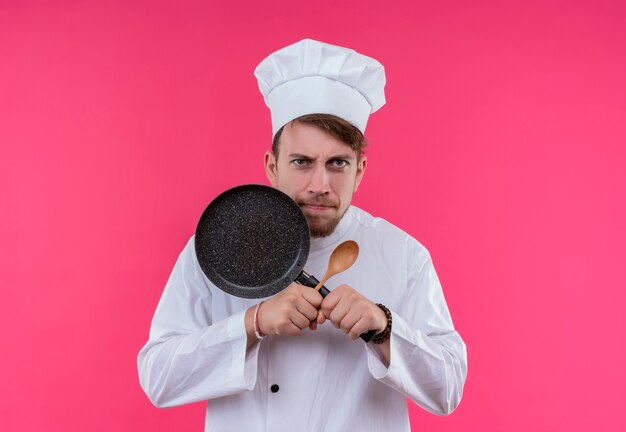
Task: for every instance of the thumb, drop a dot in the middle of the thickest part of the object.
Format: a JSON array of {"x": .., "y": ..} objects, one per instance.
[{"x": 321, "y": 318}]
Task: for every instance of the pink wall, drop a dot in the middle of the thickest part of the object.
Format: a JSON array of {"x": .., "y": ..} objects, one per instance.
[{"x": 501, "y": 149}]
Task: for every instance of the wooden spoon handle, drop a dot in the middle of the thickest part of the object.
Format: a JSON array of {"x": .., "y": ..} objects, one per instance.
[{"x": 321, "y": 283}]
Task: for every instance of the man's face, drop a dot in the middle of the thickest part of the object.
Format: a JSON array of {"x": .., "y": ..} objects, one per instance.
[{"x": 319, "y": 172}]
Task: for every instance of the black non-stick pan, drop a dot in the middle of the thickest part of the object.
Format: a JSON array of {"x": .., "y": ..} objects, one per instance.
[{"x": 252, "y": 241}]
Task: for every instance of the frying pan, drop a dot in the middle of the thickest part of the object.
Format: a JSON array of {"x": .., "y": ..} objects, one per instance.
[{"x": 252, "y": 241}]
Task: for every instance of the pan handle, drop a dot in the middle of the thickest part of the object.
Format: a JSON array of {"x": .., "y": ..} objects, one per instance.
[{"x": 310, "y": 281}]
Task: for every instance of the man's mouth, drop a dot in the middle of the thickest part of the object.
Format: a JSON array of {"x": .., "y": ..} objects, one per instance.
[{"x": 317, "y": 206}]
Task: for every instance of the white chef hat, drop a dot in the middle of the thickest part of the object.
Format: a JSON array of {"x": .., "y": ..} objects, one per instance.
[{"x": 311, "y": 77}]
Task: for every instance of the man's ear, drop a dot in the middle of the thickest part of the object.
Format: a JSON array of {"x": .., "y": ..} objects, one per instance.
[
  {"x": 270, "y": 167},
  {"x": 360, "y": 171}
]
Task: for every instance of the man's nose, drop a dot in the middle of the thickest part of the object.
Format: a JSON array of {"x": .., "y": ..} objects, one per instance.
[{"x": 318, "y": 183}]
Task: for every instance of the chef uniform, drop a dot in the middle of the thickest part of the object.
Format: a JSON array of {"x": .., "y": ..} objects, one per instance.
[{"x": 319, "y": 380}]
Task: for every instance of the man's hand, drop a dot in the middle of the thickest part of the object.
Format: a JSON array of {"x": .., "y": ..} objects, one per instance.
[
  {"x": 351, "y": 312},
  {"x": 290, "y": 311}
]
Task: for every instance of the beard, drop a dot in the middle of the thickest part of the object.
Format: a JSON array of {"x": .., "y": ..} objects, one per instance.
[{"x": 321, "y": 226}]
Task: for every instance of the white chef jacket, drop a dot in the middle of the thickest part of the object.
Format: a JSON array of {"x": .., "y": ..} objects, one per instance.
[{"x": 320, "y": 380}]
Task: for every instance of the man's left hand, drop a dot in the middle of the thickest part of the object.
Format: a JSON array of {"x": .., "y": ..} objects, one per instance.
[{"x": 348, "y": 310}]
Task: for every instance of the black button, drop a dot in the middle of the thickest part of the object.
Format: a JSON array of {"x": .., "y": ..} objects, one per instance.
[{"x": 274, "y": 388}]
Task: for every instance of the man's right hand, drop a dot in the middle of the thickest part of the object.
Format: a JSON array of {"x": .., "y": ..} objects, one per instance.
[{"x": 290, "y": 311}]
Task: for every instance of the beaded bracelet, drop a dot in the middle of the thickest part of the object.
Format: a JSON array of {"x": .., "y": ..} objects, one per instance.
[
  {"x": 257, "y": 330},
  {"x": 384, "y": 335}
]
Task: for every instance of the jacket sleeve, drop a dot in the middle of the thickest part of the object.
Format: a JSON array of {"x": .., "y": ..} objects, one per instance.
[
  {"x": 428, "y": 361},
  {"x": 189, "y": 357}
]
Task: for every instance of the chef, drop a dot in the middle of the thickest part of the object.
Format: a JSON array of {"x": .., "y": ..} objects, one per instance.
[{"x": 294, "y": 361}]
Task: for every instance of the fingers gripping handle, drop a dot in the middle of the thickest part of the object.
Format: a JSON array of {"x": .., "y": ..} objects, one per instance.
[{"x": 310, "y": 281}]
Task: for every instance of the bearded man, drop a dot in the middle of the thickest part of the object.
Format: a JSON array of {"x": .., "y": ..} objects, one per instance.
[{"x": 294, "y": 361}]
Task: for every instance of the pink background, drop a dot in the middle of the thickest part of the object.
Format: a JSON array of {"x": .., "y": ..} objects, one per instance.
[{"x": 501, "y": 149}]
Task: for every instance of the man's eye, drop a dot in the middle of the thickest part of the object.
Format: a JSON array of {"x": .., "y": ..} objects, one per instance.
[
  {"x": 339, "y": 163},
  {"x": 299, "y": 162}
]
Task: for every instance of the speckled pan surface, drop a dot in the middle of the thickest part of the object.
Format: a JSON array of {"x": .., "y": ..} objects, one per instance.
[{"x": 252, "y": 241}]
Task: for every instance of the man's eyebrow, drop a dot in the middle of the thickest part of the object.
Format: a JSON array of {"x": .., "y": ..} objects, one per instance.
[
  {"x": 299, "y": 156},
  {"x": 347, "y": 156}
]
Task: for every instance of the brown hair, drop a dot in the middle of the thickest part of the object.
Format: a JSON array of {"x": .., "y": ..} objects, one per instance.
[{"x": 335, "y": 126}]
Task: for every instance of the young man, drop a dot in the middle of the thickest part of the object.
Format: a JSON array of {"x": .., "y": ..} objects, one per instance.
[{"x": 277, "y": 365}]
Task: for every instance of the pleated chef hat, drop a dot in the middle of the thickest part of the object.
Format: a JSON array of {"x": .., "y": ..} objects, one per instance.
[{"x": 311, "y": 77}]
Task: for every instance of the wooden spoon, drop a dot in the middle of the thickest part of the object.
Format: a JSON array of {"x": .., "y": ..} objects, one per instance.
[{"x": 341, "y": 259}]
